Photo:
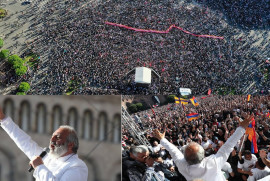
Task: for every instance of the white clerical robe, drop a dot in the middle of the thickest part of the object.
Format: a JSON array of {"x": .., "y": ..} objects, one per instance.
[{"x": 210, "y": 167}]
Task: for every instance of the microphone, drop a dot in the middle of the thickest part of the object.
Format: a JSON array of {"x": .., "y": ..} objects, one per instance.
[{"x": 42, "y": 154}]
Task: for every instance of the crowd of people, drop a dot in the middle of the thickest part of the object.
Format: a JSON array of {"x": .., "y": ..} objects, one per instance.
[
  {"x": 246, "y": 14},
  {"x": 75, "y": 43},
  {"x": 219, "y": 119}
]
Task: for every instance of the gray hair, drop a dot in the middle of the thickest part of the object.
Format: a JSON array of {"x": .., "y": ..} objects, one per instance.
[
  {"x": 193, "y": 157},
  {"x": 138, "y": 149},
  {"x": 72, "y": 137}
]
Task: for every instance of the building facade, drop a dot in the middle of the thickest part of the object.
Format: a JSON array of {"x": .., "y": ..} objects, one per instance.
[{"x": 96, "y": 119}]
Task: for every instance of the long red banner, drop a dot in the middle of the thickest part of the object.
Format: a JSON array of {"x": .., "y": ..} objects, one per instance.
[{"x": 162, "y": 32}]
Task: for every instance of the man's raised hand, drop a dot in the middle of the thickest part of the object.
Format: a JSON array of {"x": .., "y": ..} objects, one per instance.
[
  {"x": 247, "y": 120},
  {"x": 263, "y": 154},
  {"x": 158, "y": 134}
]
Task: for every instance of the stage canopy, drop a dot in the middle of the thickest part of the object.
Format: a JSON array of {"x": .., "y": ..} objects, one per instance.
[{"x": 143, "y": 75}]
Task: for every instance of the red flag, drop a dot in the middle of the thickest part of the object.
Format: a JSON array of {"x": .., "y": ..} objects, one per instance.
[
  {"x": 268, "y": 114},
  {"x": 248, "y": 97},
  {"x": 153, "y": 111},
  {"x": 209, "y": 92},
  {"x": 254, "y": 147}
]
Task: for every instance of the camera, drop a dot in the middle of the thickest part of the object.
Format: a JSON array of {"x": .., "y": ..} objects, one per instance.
[{"x": 260, "y": 128}]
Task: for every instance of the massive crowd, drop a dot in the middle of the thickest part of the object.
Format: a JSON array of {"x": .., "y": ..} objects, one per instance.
[
  {"x": 75, "y": 43},
  {"x": 219, "y": 118},
  {"x": 244, "y": 13}
]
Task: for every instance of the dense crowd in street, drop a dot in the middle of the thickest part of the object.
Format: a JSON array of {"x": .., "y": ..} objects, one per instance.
[
  {"x": 245, "y": 13},
  {"x": 219, "y": 118},
  {"x": 75, "y": 43}
]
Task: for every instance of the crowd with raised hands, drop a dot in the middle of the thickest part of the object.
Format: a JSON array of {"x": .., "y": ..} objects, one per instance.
[
  {"x": 75, "y": 44},
  {"x": 217, "y": 125}
]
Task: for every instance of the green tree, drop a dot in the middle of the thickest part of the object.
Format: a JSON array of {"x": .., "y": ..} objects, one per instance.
[
  {"x": 170, "y": 98},
  {"x": 24, "y": 87},
  {"x": 133, "y": 108},
  {"x": 21, "y": 70},
  {"x": 128, "y": 104},
  {"x": 4, "y": 54},
  {"x": 1, "y": 42},
  {"x": 139, "y": 106},
  {"x": 17, "y": 64},
  {"x": 145, "y": 105},
  {"x": 20, "y": 93},
  {"x": 3, "y": 13},
  {"x": 14, "y": 58}
]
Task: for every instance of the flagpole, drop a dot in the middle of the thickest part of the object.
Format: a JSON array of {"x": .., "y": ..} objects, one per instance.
[
  {"x": 242, "y": 143},
  {"x": 153, "y": 114}
]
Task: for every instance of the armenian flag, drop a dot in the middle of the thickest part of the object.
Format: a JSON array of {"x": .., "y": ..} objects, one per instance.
[
  {"x": 248, "y": 97},
  {"x": 192, "y": 116},
  {"x": 176, "y": 100},
  {"x": 268, "y": 114},
  {"x": 194, "y": 101},
  {"x": 252, "y": 136},
  {"x": 184, "y": 101}
]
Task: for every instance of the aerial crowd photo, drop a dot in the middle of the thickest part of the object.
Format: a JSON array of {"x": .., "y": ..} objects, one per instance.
[
  {"x": 91, "y": 47},
  {"x": 135, "y": 90}
]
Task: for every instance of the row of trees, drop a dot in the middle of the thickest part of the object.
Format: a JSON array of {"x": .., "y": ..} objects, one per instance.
[
  {"x": 23, "y": 88},
  {"x": 17, "y": 63},
  {"x": 135, "y": 107},
  {"x": 144, "y": 105}
]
